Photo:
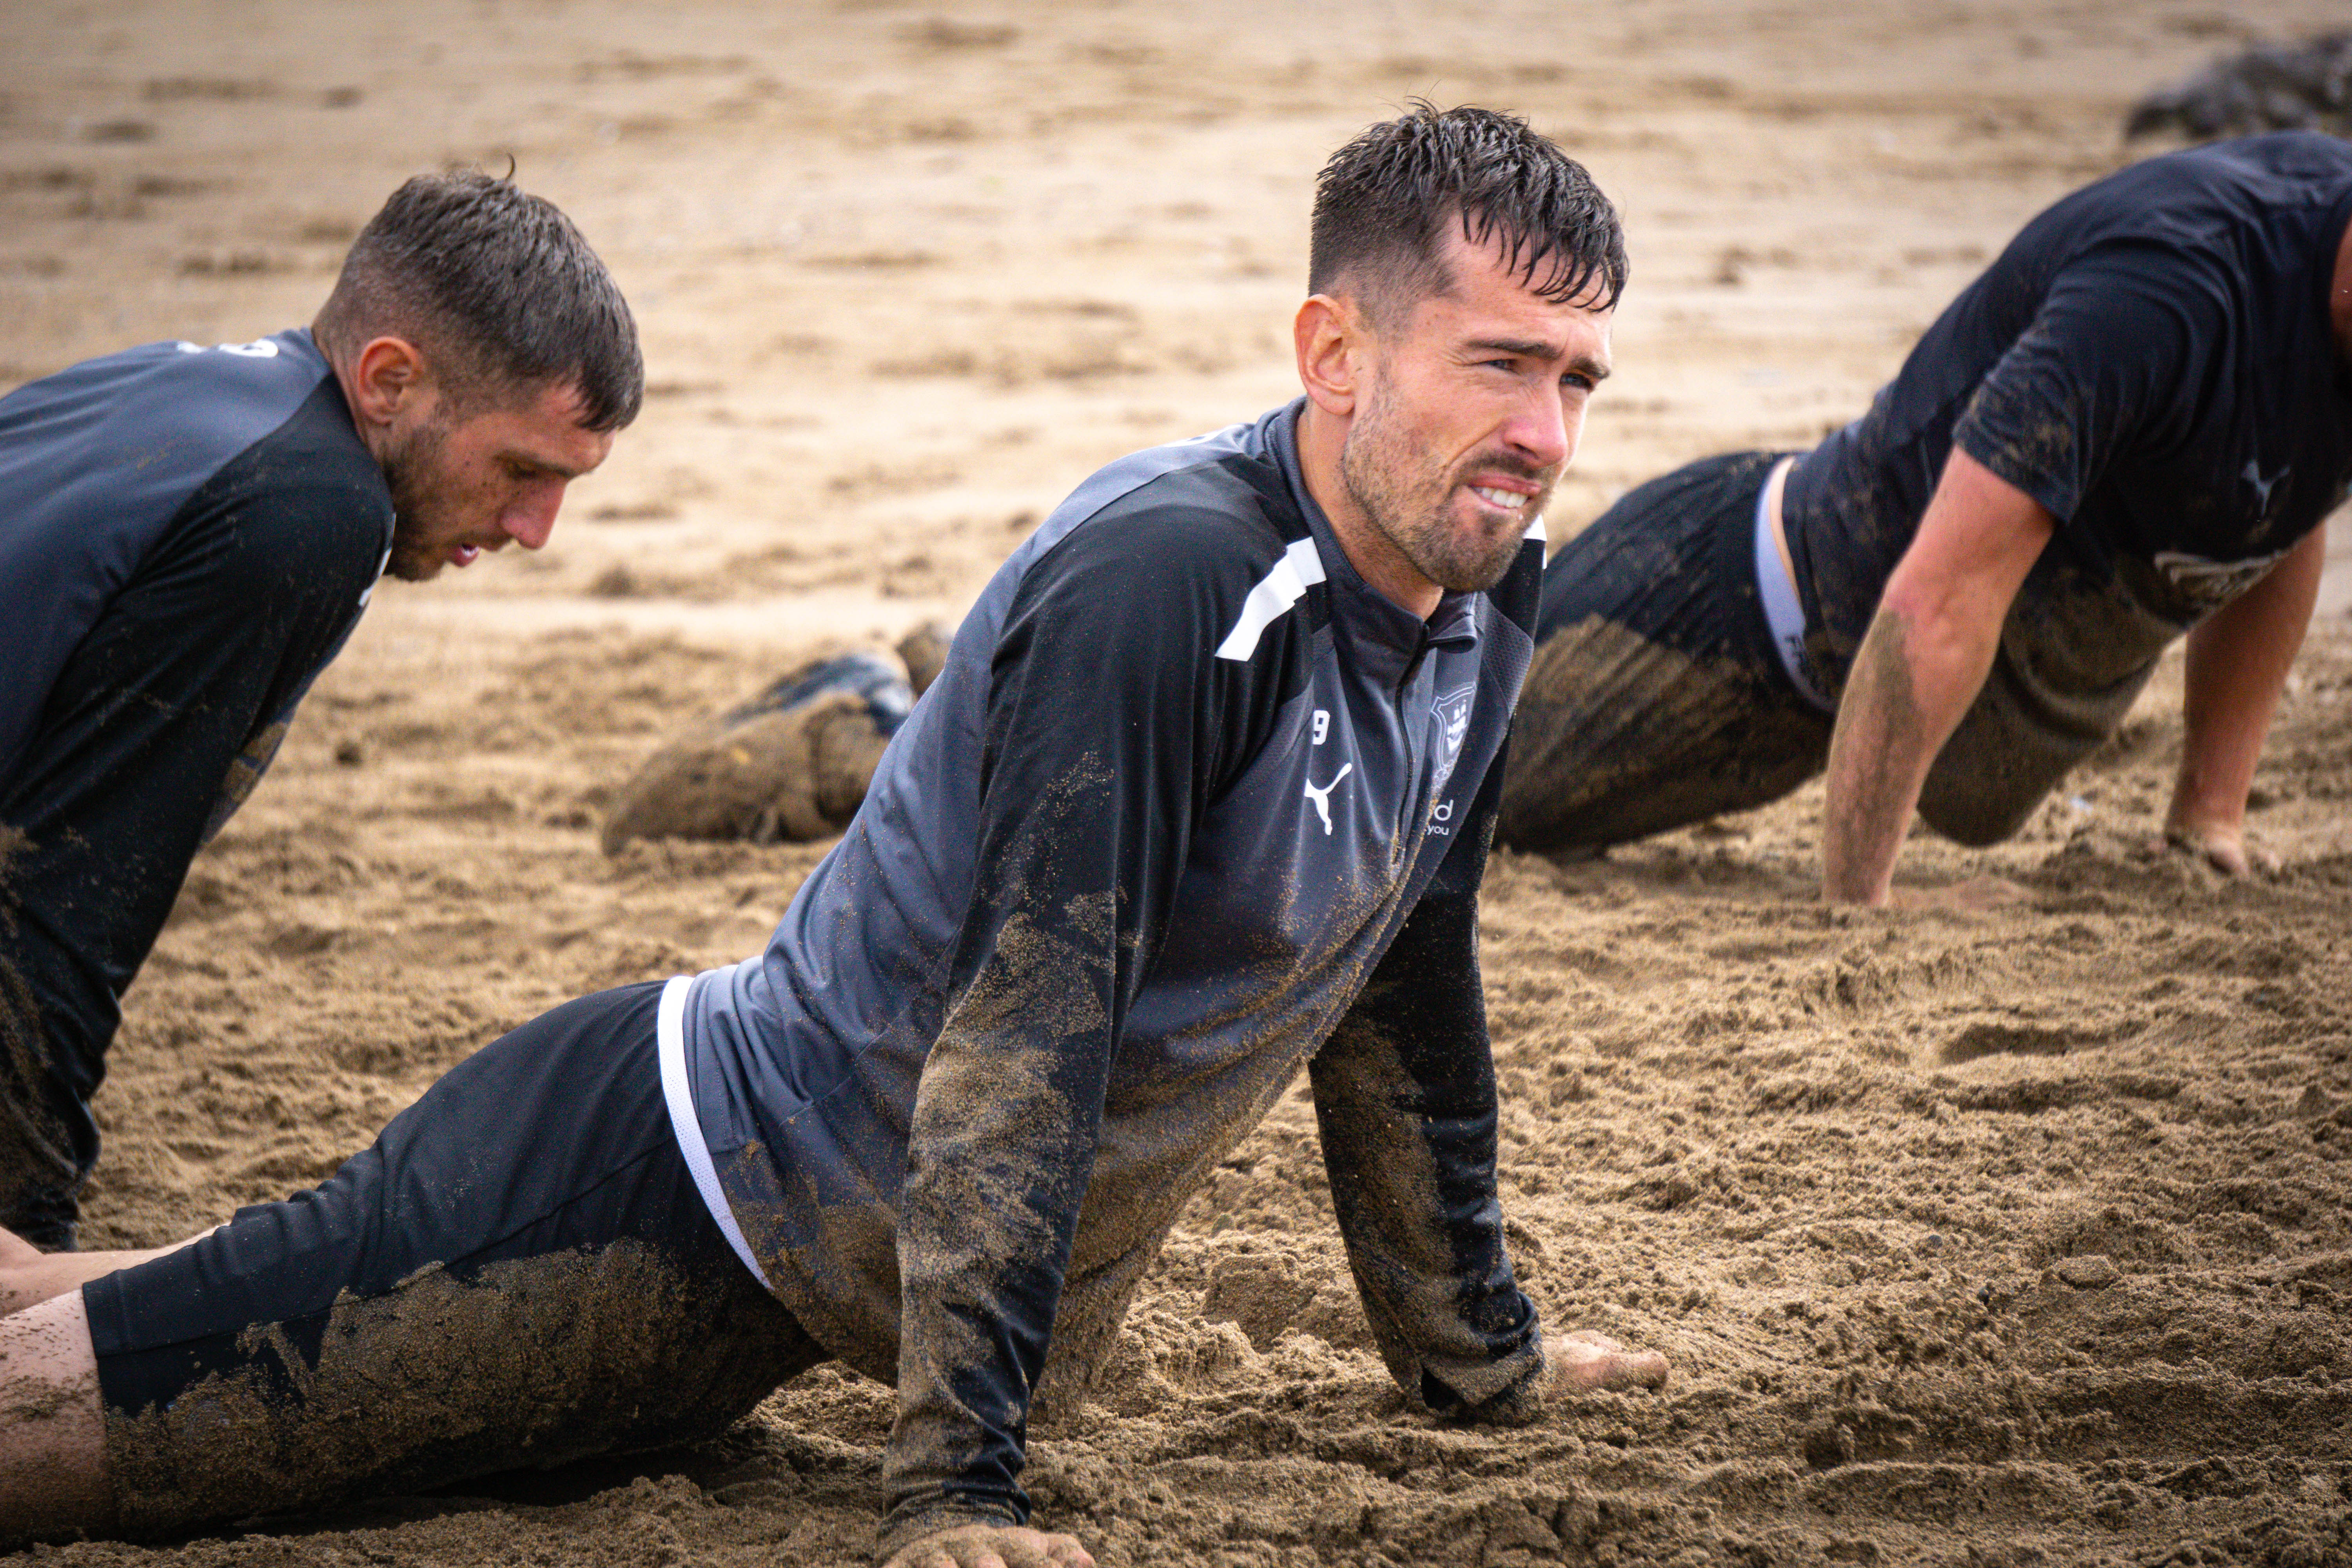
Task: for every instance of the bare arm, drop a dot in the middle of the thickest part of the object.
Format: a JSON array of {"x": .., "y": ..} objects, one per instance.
[
  {"x": 2238, "y": 660},
  {"x": 1920, "y": 666}
]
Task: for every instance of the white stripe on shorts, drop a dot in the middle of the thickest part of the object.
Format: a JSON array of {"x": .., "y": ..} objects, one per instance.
[
  {"x": 669, "y": 1042},
  {"x": 1784, "y": 613}
]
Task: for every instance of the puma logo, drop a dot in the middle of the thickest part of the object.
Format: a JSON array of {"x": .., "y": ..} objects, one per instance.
[
  {"x": 2262, "y": 486},
  {"x": 1322, "y": 797}
]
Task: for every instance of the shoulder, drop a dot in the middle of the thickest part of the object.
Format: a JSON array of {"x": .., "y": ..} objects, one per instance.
[
  {"x": 1194, "y": 527},
  {"x": 138, "y": 432},
  {"x": 100, "y": 459}
]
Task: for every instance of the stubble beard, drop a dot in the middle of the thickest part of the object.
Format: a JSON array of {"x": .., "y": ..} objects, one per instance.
[
  {"x": 419, "y": 498},
  {"x": 1410, "y": 502}
]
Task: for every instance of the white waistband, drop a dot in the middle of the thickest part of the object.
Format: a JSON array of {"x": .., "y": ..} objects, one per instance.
[
  {"x": 1784, "y": 611},
  {"x": 669, "y": 1043}
]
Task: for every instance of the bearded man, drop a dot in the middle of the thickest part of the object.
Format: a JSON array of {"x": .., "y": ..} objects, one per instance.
[
  {"x": 187, "y": 536},
  {"x": 1201, "y": 799}
]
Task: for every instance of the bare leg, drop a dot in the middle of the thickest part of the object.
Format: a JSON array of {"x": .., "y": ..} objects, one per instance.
[{"x": 52, "y": 1434}]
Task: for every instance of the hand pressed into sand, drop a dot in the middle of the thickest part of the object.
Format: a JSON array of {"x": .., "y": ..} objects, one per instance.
[
  {"x": 991, "y": 1546},
  {"x": 1585, "y": 1360},
  {"x": 2221, "y": 846}
]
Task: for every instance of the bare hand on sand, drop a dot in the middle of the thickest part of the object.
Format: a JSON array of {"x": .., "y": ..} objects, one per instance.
[
  {"x": 2221, "y": 847},
  {"x": 1585, "y": 1360},
  {"x": 991, "y": 1546}
]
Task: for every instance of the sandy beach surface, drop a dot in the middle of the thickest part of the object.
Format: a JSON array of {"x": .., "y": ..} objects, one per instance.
[{"x": 2007, "y": 1235}]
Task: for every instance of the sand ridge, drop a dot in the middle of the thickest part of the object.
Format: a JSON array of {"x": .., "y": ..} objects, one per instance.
[{"x": 2004, "y": 1236}]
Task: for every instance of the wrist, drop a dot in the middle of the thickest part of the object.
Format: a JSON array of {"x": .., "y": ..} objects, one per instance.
[
  {"x": 1845, "y": 884},
  {"x": 2196, "y": 812},
  {"x": 910, "y": 1522}
]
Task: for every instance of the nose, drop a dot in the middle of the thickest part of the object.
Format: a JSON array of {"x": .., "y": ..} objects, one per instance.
[
  {"x": 1543, "y": 430},
  {"x": 531, "y": 519}
]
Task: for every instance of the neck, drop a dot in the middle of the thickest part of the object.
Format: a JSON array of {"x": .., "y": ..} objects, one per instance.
[
  {"x": 1373, "y": 554},
  {"x": 372, "y": 437}
]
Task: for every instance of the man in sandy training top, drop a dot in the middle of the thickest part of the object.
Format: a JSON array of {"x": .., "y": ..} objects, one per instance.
[
  {"x": 1202, "y": 796},
  {"x": 187, "y": 535},
  {"x": 2127, "y": 430}
]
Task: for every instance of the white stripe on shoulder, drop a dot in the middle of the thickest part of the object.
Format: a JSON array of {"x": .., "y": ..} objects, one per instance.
[{"x": 1275, "y": 592}]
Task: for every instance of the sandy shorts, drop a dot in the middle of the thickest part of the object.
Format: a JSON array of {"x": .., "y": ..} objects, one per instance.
[
  {"x": 519, "y": 1272},
  {"x": 1659, "y": 695}
]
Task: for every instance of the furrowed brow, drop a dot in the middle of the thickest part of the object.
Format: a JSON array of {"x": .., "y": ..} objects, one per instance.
[
  {"x": 1522, "y": 348},
  {"x": 546, "y": 465},
  {"x": 1535, "y": 348}
]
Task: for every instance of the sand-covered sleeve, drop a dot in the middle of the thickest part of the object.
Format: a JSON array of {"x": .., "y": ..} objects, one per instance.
[
  {"x": 1109, "y": 725},
  {"x": 2110, "y": 364},
  {"x": 1405, "y": 1096}
]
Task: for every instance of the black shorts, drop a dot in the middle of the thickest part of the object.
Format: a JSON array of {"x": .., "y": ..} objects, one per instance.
[
  {"x": 1656, "y": 698},
  {"x": 519, "y": 1272}
]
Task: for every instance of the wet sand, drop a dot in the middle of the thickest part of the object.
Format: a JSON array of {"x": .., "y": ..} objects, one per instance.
[{"x": 1997, "y": 1238}]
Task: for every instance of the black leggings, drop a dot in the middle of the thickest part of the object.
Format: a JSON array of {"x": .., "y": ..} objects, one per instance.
[{"x": 519, "y": 1272}]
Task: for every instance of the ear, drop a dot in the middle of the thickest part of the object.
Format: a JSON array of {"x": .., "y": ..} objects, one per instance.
[
  {"x": 1333, "y": 339},
  {"x": 388, "y": 381}
]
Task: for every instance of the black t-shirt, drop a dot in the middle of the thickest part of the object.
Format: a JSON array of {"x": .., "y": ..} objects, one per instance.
[{"x": 2151, "y": 359}]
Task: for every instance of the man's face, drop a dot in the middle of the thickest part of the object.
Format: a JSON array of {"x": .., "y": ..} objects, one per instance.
[
  {"x": 472, "y": 481},
  {"x": 1471, "y": 405}
]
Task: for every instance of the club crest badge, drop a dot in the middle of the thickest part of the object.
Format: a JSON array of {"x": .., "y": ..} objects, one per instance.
[{"x": 1450, "y": 717}]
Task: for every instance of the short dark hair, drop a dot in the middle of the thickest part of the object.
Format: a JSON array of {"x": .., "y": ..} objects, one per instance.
[
  {"x": 1384, "y": 200},
  {"x": 497, "y": 288}
]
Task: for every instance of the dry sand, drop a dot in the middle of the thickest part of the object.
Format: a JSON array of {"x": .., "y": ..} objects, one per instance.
[{"x": 2001, "y": 1237}]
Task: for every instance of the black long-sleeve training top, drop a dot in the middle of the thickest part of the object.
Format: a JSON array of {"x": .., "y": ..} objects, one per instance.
[
  {"x": 187, "y": 536},
  {"x": 1191, "y": 805}
]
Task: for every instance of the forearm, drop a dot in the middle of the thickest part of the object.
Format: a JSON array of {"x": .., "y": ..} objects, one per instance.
[
  {"x": 1000, "y": 1153},
  {"x": 2237, "y": 664},
  {"x": 1920, "y": 665},
  {"x": 1911, "y": 684},
  {"x": 1405, "y": 1102}
]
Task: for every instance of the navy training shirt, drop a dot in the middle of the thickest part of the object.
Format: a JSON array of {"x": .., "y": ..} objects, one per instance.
[
  {"x": 2152, "y": 360},
  {"x": 187, "y": 536},
  {"x": 102, "y": 463},
  {"x": 1191, "y": 805}
]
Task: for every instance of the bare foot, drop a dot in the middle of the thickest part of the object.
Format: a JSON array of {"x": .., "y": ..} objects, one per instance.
[
  {"x": 2223, "y": 849},
  {"x": 1584, "y": 1361},
  {"x": 991, "y": 1546}
]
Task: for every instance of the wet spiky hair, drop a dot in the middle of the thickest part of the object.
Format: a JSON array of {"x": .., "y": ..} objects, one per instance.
[{"x": 1383, "y": 203}]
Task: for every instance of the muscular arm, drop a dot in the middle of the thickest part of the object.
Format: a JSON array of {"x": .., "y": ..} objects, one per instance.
[
  {"x": 1921, "y": 664},
  {"x": 2238, "y": 661}
]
